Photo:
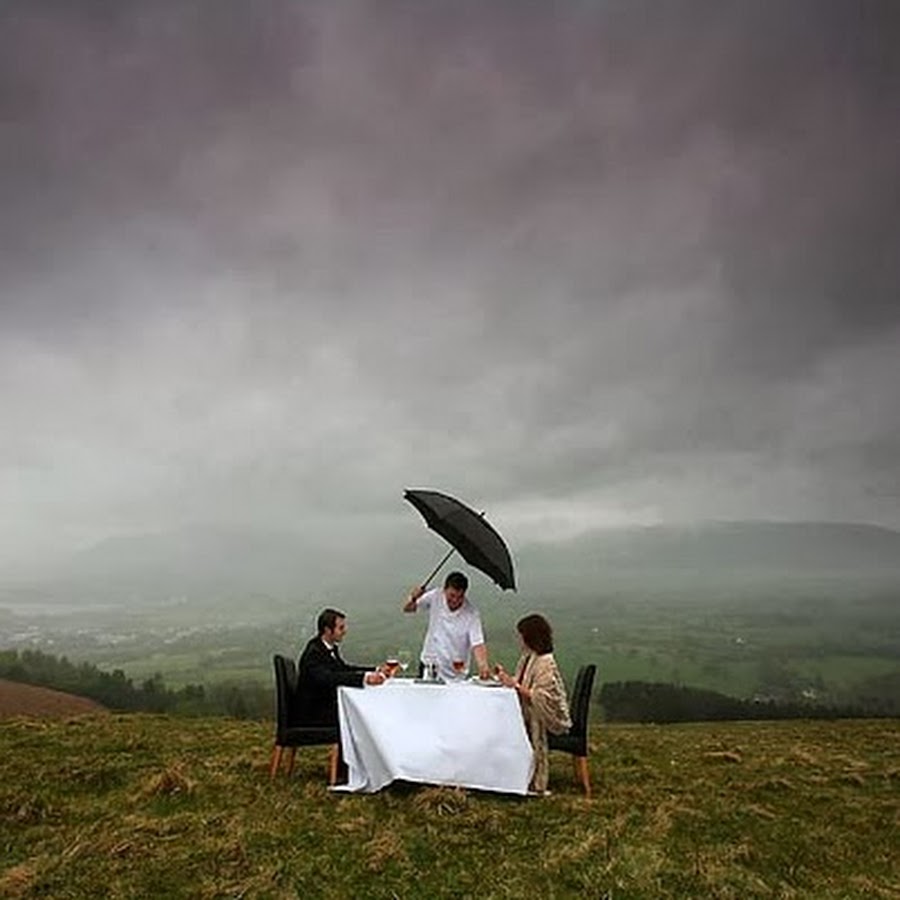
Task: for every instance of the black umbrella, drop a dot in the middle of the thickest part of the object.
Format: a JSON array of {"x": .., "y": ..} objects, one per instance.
[{"x": 468, "y": 532}]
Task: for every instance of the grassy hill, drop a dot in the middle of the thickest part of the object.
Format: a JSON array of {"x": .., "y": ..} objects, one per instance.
[{"x": 149, "y": 806}]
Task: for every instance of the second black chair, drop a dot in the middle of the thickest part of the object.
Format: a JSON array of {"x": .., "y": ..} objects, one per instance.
[{"x": 575, "y": 740}]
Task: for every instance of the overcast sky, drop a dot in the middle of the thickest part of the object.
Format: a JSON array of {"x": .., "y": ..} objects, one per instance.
[{"x": 588, "y": 263}]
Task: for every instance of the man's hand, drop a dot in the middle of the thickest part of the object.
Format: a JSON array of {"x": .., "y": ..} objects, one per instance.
[
  {"x": 374, "y": 678},
  {"x": 479, "y": 651},
  {"x": 412, "y": 599}
]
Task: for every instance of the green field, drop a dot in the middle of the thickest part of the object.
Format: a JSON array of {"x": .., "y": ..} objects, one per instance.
[{"x": 150, "y": 806}]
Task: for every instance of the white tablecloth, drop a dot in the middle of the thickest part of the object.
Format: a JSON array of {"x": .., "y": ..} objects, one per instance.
[{"x": 454, "y": 734}]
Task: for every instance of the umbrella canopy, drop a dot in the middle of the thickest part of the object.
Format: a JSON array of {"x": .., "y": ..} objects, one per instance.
[{"x": 468, "y": 532}]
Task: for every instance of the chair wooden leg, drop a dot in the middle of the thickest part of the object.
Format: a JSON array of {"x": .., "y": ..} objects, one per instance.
[
  {"x": 582, "y": 773},
  {"x": 334, "y": 755},
  {"x": 276, "y": 761},
  {"x": 292, "y": 755}
]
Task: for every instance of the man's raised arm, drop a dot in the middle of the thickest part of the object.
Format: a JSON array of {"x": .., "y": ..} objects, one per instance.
[{"x": 413, "y": 599}]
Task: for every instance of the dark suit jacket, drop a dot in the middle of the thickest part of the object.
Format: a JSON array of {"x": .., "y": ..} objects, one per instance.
[{"x": 319, "y": 674}]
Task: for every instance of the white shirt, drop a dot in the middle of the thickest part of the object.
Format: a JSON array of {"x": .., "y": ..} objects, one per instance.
[{"x": 451, "y": 635}]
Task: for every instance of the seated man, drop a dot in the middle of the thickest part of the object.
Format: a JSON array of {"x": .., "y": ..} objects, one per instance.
[{"x": 320, "y": 671}]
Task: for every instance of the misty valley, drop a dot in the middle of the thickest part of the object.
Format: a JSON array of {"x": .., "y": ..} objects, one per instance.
[{"x": 826, "y": 641}]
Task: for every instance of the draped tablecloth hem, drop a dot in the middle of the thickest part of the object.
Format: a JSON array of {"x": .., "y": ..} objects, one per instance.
[
  {"x": 453, "y": 736},
  {"x": 350, "y": 788}
]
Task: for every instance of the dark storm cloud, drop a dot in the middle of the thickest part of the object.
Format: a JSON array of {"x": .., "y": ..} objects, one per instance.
[{"x": 622, "y": 259}]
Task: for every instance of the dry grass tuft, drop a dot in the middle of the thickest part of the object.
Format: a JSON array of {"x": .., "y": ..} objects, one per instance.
[
  {"x": 263, "y": 884},
  {"x": 233, "y": 850},
  {"x": 561, "y": 857},
  {"x": 442, "y": 801},
  {"x": 641, "y": 865},
  {"x": 17, "y": 880},
  {"x": 869, "y": 887},
  {"x": 803, "y": 756},
  {"x": 777, "y": 784},
  {"x": 665, "y": 814},
  {"x": 490, "y": 822},
  {"x": 385, "y": 847},
  {"x": 851, "y": 762},
  {"x": 32, "y": 811},
  {"x": 733, "y": 756},
  {"x": 353, "y": 825},
  {"x": 853, "y": 778},
  {"x": 76, "y": 848},
  {"x": 121, "y": 848},
  {"x": 758, "y": 809},
  {"x": 170, "y": 782}
]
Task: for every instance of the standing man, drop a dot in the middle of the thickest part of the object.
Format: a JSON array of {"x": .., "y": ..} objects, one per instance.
[
  {"x": 454, "y": 626},
  {"x": 321, "y": 670}
]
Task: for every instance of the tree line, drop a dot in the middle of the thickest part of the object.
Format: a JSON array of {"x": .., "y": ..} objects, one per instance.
[
  {"x": 660, "y": 702},
  {"x": 117, "y": 692},
  {"x": 621, "y": 701}
]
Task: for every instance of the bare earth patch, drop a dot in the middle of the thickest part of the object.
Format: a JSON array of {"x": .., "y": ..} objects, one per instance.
[{"x": 18, "y": 699}]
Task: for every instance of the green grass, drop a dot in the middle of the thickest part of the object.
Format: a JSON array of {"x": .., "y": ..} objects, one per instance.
[{"x": 150, "y": 806}]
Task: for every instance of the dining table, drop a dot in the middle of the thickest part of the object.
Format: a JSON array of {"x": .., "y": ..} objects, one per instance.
[{"x": 464, "y": 733}]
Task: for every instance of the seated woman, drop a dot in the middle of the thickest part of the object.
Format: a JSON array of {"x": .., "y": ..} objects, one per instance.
[{"x": 541, "y": 692}]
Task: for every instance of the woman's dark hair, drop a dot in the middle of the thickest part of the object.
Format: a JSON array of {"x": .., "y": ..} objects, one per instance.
[{"x": 537, "y": 633}]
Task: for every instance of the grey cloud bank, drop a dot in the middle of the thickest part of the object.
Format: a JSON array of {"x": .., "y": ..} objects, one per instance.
[{"x": 268, "y": 264}]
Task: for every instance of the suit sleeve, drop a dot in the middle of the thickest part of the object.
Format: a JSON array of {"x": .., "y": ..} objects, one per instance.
[{"x": 324, "y": 671}]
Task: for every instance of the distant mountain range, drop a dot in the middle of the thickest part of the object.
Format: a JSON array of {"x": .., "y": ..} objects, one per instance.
[
  {"x": 720, "y": 549},
  {"x": 210, "y": 562}
]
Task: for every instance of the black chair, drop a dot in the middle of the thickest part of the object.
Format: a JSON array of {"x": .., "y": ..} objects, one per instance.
[
  {"x": 575, "y": 740},
  {"x": 290, "y": 733}
]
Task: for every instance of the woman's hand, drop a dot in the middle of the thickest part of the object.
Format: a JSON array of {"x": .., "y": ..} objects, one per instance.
[{"x": 503, "y": 676}]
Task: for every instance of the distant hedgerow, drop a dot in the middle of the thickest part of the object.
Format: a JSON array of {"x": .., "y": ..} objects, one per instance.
[
  {"x": 116, "y": 691},
  {"x": 644, "y": 701}
]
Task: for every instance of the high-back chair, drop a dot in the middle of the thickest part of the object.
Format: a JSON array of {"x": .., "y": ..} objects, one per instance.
[
  {"x": 575, "y": 740},
  {"x": 290, "y": 733}
]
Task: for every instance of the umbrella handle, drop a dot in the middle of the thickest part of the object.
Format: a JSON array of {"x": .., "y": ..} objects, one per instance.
[{"x": 438, "y": 567}]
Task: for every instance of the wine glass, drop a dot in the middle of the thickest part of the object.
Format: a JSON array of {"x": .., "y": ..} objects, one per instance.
[
  {"x": 403, "y": 659},
  {"x": 391, "y": 665},
  {"x": 459, "y": 666}
]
